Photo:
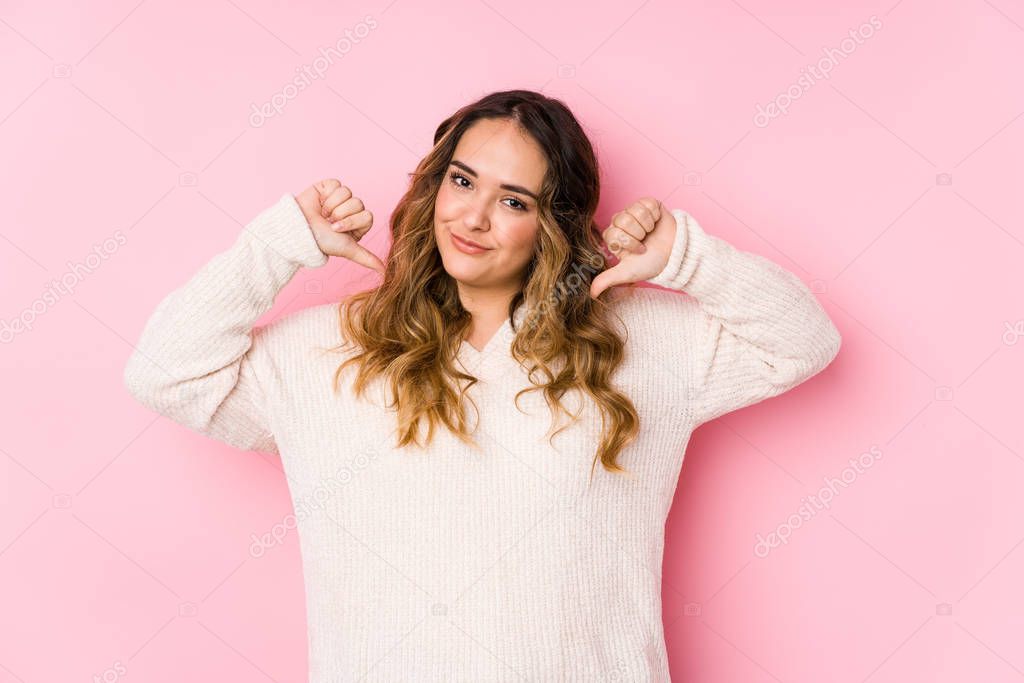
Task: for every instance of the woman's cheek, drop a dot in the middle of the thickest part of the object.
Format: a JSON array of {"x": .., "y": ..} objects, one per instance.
[{"x": 527, "y": 235}]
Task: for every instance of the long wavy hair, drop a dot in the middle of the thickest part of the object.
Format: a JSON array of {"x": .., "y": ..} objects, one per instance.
[{"x": 409, "y": 328}]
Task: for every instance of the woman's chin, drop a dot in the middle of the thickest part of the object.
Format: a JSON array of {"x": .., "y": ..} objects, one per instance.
[
  {"x": 466, "y": 276},
  {"x": 463, "y": 267}
]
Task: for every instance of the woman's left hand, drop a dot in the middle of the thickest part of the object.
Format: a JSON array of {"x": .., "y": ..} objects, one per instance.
[{"x": 641, "y": 236}]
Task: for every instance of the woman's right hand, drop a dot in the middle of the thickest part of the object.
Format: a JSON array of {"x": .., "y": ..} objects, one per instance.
[{"x": 338, "y": 221}]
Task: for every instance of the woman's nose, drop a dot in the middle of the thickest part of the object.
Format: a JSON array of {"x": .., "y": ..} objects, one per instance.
[{"x": 475, "y": 216}]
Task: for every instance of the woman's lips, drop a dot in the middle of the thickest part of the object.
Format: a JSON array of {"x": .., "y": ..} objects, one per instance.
[{"x": 466, "y": 247}]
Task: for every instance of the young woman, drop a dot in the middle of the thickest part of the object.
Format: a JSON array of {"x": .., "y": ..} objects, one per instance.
[{"x": 440, "y": 432}]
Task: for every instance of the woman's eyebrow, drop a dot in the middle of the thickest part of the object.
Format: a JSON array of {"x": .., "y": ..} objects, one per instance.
[{"x": 505, "y": 186}]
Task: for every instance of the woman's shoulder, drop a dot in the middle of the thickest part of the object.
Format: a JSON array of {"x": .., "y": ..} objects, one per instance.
[
  {"x": 303, "y": 329},
  {"x": 655, "y": 323},
  {"x": 652, "y": 307}
]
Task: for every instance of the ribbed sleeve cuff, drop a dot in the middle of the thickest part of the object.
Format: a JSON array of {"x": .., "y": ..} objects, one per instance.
[
  {"x": 720, "y": 275},
  {"x": 678, "y": 270},
  {"x": 282, "y": 227}
]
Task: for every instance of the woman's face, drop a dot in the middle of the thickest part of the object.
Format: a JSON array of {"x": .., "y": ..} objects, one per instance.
[{"x": 489, "y": 196}]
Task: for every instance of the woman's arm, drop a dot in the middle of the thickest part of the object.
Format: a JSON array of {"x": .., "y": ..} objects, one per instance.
[
  {"x": 757, "y": 330},
  {"x": 199, "y": 357}
]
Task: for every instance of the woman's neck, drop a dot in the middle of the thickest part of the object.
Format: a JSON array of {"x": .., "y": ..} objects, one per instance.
[{"x": 489, "y": 311}]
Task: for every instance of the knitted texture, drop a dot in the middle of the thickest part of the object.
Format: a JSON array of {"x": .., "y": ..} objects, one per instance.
[{"x": 495, "y": 563}]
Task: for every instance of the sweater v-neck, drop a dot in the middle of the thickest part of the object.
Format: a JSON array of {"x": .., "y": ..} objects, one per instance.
[
  {"x": 490, "y": 342},
  {"x": 498, "y": 346}
]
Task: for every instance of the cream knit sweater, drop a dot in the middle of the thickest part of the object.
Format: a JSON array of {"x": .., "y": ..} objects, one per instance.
[{"x": 455, "y": 564}]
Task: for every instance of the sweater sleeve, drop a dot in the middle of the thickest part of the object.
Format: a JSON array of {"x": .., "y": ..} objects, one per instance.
[
  {"x": 199, "y": 357},
  {"x": 757, "y": 330}
]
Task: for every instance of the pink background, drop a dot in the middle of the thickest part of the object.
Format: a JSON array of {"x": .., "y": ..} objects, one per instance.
[{"x": 124, "y": 538}]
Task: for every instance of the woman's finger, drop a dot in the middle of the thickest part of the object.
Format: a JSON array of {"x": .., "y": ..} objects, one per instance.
[
  {"x": 653, "y": 205},
  {"x": 338, "y": 196},
  {"x": 360, "y": 221},
  {"x": 627, "y": 222},
  {"x": 324, "y": 189},
  {"x": 347, "y": 208},
  {"x": 619, "y": 240},
  {"x": 327, "y": 185},
  {"x": 364, "y": 257},
  {"x": 643, "y": 215}
]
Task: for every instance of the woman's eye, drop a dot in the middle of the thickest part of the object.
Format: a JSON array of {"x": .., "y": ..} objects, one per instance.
[{"x": 455, "y": 177}]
